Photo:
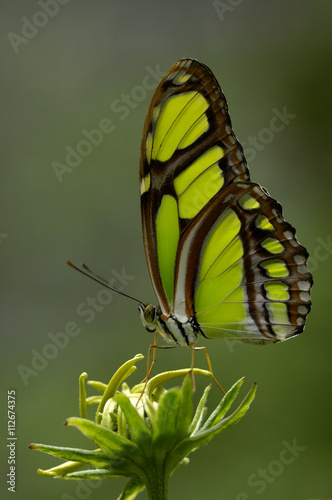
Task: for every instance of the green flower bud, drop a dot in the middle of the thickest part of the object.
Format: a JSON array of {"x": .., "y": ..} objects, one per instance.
[{"x": 146, "y": 435}]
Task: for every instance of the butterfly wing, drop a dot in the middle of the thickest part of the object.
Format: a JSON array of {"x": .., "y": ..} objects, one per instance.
[
  {"x": 218, "y": 250},
  {"x": 252, "y": 282},
  {"x": 189, "y": 153}
]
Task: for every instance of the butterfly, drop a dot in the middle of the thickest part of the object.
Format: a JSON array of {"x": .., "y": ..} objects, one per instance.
[{"x": 223, "y": 262}]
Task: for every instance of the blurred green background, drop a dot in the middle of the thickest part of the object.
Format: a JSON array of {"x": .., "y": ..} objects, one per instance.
[{"x": 66, "y": 66}]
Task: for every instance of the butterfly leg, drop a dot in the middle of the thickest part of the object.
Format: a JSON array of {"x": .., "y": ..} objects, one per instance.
[
  {"x": 150, "y": 364},
  {"x": 202, "y": 348},
  {"x": 193, "y": 350}
]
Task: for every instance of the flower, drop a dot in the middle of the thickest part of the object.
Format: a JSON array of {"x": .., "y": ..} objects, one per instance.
[{"x": 146, "y": 435}]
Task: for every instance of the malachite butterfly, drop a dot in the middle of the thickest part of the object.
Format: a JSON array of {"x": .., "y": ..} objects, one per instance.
[{"x": 223, "y": 262}]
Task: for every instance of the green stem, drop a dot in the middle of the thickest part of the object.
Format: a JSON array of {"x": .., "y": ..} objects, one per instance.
[{"x": 156, "y": 482}]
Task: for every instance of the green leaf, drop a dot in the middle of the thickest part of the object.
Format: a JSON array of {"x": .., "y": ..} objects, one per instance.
[
  {"x": 93, "y": 400},
  {"x": 185, "y": 411},
  {"x": 200, "y": 412},
  {"x": 93, "y": 474},
  {"x": 224, "y": 405},
  {"x": 139, "y": 431},
  {"x": 61, "y": 470},
  {"x": 107, "y": 440},
  {"x": 165, "y": 425},
  {"x": 110, "y": 418},
  {"x": 161, "y": 378},
  {"x": 119, "y": 376},
  {"x": 82, "y": 396},
  {"x": 204, "y": 436},
  {"x": 99, "y": 386},
  {"x": 132, "y": 489},
  {"x": 96, "y": 458},
  {"x": 149, "y": 408}
]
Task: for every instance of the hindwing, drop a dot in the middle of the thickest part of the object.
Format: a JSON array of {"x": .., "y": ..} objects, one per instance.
[{"x": 240, "y": 271}]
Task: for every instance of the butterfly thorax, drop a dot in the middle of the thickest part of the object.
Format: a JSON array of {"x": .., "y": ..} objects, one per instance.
[{"x": 176, "y": 330}]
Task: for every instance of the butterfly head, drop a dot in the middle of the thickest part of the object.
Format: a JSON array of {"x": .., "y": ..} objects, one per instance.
[{"x": 148, "y": 315}]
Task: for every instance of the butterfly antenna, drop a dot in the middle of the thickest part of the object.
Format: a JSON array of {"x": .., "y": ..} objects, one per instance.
[
  {"x": 92, "y": 273},
  {"x": 102, "y": 281}
]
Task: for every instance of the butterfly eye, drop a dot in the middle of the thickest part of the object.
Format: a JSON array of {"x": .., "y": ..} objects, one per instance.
[{"x": 148, "y": 316}]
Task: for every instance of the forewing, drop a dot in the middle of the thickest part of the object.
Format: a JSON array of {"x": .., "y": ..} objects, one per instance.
[{"x": 189, "y": 153}]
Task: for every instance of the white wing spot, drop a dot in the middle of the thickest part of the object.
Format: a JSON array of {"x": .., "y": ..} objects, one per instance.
[
  {"x": 302, "y": 269},
  {"x": 302, "y": 310},
  {"x": 305, "y": 296},
  {"x": 304, "y": 285},
  {"x": 299, "y": 259}
]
